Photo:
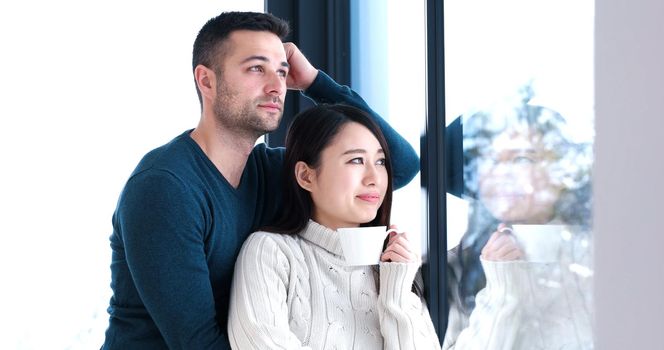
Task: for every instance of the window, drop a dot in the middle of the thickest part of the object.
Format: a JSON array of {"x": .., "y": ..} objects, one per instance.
[
  {"x": 519, "y": 117},
  {"x": 388, "y": 71}
]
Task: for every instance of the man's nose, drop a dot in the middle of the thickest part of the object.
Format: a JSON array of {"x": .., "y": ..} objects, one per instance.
[{"x": 275, "y": 84}]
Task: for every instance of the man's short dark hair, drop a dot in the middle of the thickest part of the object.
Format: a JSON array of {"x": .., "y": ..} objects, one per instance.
[{"x": 208, "y": 46}]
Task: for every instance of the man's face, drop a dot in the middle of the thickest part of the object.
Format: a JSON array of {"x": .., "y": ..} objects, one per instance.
[{"x": 251, "y": 83}]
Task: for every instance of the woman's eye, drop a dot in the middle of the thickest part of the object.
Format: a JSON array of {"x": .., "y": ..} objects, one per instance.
[
  {"x": 523, "y": 160},
  {"x": 381, "y": 161},
  {"x": 356, "y": 161}
]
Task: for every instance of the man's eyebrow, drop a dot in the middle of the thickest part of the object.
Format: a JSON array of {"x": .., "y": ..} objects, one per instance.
[{"x": 264, "y": 59}]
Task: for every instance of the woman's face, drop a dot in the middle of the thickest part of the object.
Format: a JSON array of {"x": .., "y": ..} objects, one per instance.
[
  {"x": 515, "y": 182},
  {"x": 350, "y": 184}
]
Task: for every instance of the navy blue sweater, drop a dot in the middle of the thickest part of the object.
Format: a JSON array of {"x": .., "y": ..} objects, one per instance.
[{"x": 178, "y": 228}]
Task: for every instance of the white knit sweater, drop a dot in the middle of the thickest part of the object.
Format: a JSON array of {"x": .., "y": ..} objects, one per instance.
[
  {"x": 527, "y": 305},
  {"x": 295, "y": 292}
]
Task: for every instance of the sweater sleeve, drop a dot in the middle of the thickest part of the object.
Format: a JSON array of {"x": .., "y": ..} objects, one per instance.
[
  {"x": 404, "y": 319},
  {"x": 258, "y": 315},
  {"x": 405, "y": 161},
  {"x": 498, "y": 313},
  {"x": 160, "y": 224}
]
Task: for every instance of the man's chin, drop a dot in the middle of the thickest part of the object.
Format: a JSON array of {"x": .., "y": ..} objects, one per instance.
[{"x": 272, "y": 125}]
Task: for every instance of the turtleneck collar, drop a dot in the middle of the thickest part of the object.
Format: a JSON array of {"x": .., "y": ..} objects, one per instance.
[{"x": 323, "y": 237}]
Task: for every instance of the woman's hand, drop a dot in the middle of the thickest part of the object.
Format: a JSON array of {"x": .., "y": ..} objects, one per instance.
[
  {"x": 399, "y": 248},
  {"x": 502, "y": 246}
]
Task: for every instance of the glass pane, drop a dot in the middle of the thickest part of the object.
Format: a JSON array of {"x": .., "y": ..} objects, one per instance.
[
  {"x": 519, "y": 114},
  {"x": 388, "y": 71}
]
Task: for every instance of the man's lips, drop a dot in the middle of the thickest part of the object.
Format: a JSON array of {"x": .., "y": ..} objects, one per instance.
[
  {"x": 271, "y": 106},
  {"x": 369, "y": 197}
]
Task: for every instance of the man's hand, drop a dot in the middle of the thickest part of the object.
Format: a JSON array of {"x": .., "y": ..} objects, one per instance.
[
  {"x": 301, "y": 73},
  {"x": 502, "y": 246}
]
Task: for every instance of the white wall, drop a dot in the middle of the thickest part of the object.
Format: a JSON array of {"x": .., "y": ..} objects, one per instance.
[
  {"x": 629, "y": 174},
  {"x": 86, "y": 89}
]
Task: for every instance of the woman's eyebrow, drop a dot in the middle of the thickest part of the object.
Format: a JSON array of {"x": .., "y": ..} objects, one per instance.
[{"x": 361, "y": 150}]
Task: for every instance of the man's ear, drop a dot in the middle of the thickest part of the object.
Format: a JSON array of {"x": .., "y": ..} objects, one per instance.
[
  {"x": 206, "y": 81},
  {"x": 305, "y": 176}
]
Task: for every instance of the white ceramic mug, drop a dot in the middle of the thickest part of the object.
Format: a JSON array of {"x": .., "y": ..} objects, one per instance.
[
  {"x": 540, "y": 243},
  {"x": 363, "y": 245}
]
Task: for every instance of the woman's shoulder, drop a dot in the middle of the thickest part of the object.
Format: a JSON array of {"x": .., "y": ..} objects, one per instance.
[
  {"x": 271, "y": 236},
  {"x": 264, "y": 240},
  {"x": 271, "y": 250}
]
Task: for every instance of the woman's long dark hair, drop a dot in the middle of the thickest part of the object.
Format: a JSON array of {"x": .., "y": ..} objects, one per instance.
[{"x": 309, "y": 134}]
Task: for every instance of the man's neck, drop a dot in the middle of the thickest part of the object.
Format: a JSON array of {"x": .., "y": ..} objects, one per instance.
[{"x": 227, "y": 151}]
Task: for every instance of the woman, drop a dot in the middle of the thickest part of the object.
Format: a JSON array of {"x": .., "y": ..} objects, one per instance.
[
  {"x": 520, "y": 167},
  {"x": 291, "y": 288}
]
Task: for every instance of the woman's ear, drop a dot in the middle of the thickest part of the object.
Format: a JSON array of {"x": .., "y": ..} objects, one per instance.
[{"x": 305, "y": 175}]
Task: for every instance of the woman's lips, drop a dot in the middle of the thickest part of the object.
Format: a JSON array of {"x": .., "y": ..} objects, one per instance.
[{"x": 369, "y": 197}]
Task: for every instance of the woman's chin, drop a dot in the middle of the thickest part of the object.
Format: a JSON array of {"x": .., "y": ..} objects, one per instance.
[{"x": 363, "y": 219}]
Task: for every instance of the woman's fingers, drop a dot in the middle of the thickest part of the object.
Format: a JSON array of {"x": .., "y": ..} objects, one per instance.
[
  {"x": 502, "y": 246},
  {"x": 399, "y": 249}
]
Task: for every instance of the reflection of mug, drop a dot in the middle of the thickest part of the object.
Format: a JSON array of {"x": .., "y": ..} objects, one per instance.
[
  {"x": 540, "y": 243},
  {"x": 362, "y": 245}
]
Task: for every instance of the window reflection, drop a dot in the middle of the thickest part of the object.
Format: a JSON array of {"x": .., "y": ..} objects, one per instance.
[{"x": 528, "y": 287}]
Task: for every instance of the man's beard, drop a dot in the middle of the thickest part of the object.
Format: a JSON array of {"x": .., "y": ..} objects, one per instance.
[{"x": 244, "y": 118}]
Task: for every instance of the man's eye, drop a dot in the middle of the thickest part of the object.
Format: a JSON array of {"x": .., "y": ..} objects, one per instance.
[
  {"x": 282, "y": 73},
  {"x": 256, "y": 69}
]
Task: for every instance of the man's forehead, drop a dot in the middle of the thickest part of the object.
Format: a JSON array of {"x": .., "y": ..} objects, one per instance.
[{"x": 256, "y": 43}]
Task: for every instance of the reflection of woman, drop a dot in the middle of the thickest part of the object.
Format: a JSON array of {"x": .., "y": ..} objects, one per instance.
[
  {"x": 291, "y": 288},
  {"x": 520, "y": 168}
]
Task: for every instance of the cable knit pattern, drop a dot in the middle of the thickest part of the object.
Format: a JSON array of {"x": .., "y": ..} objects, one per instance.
[
  {"x": 295, "y": 292},
  {"x": 528, "y": 305}
]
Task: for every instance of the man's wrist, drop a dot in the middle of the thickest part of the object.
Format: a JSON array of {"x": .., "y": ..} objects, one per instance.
[{"x": 309, "y": 78}]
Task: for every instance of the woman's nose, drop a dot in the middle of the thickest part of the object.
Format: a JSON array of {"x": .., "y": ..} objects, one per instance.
[{"x": 371, "y": 175}]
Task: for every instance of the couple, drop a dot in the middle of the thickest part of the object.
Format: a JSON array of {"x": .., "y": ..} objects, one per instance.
[{"x": 188, "y": 207}]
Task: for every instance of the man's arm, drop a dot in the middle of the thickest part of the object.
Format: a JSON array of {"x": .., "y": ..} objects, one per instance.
[
  {"x": 162, "y": 229},
  {"x": 322, "y": 89}
]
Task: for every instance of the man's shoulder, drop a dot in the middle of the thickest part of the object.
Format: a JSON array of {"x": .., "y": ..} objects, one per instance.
[
  {"x": 171, "y": 153},
  {"x": 179, "y": 157}
]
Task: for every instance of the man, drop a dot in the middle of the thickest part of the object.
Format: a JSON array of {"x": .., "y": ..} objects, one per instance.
[{"x": 188, "y": 206}]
